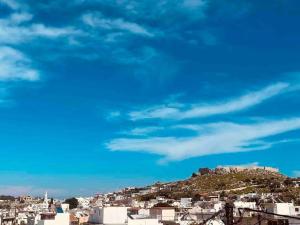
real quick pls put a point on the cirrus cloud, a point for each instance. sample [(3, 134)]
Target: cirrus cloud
[(193, 111), (216, 138), (199, 139), (14, 65), (96, 20)]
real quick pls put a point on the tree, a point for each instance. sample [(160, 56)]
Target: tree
[(288, 182), (223, 194), (162, 204), (196, 198), (73, 202), (7, 198), (194, 175)]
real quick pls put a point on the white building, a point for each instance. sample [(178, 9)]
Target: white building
[(163, 213), (144, 212), (83, 202), (297, 210), (108, 215), (140, 220), (21, 218), (186, 202), (281, 208), (215, 222), (241, 204), (54, 219), (144, 192), (218, 206), (138, 204)]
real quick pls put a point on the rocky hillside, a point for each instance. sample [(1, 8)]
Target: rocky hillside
[(228, 182)]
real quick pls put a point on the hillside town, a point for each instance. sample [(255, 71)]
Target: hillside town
[(151, 205), (149, 112)]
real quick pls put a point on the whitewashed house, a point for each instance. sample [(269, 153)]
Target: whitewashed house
[(186, 202), (54, 219), (141, 220), (281, 208), (241, 204), (108, 215), (163, 213)]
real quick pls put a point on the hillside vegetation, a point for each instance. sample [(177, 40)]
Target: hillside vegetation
[(214, 182)]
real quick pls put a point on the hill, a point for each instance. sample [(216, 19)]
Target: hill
[(6, 198), (228, 182)]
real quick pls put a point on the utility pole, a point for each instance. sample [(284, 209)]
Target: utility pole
[(229, 213), (259, 219)]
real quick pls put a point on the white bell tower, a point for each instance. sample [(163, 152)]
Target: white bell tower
[(46, 203)]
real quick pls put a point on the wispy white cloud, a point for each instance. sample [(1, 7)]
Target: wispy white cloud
[(194, 3), (14, 31), (52, 32), (165, 10), (13, 4), (219, 138), (193, 111), (96, 20), (142, 131), (113, 115), (14, 65), (17, 18), (18, 28)]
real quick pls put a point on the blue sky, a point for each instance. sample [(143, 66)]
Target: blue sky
[(99, 95)]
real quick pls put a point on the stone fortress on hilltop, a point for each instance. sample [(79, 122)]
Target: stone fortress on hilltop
[(235, 169), (242, 168)]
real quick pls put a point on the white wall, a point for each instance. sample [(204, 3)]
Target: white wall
[(60, 219), (185, 202), (241, 204), (143, 222), (218, 206), (96, 216), (285, 208), (114, 215), (168, 214), (65, 207), (109, 215), (215, 222), (144, 212)]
